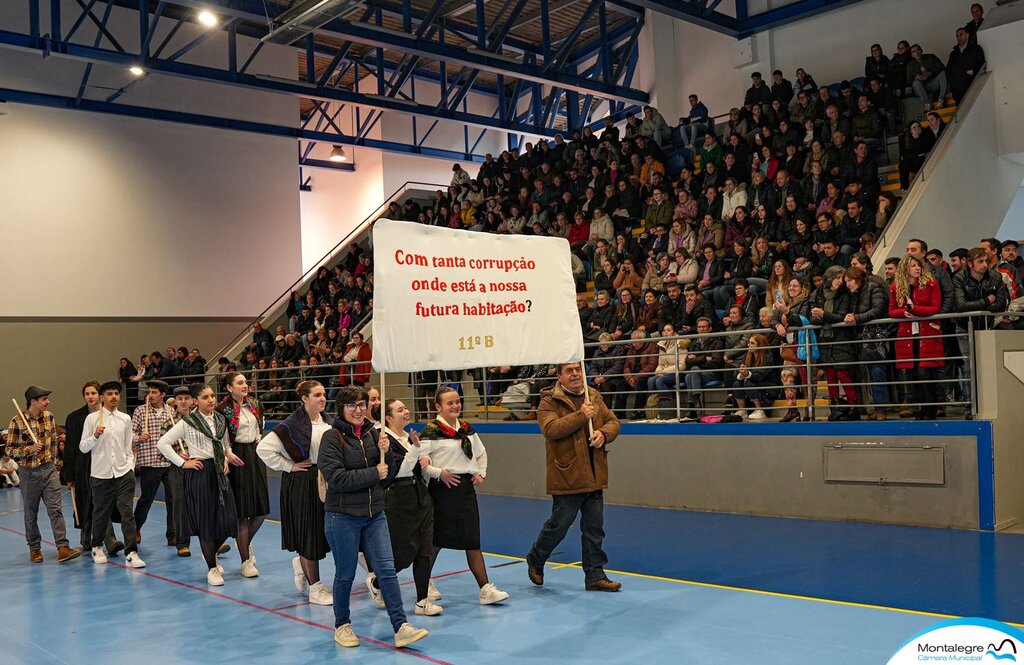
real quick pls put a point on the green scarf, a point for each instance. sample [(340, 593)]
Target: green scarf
[(198, 423)]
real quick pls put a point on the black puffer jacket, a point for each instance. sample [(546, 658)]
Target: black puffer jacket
[(349, 464)]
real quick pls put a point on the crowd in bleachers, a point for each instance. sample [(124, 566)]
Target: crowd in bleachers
[(763, 221)]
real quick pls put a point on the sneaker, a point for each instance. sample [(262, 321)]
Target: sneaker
[(320, 595), (407, 634), (378, 599), (98, 555), (740, 412), (344, 636), (428, 608), (133, 560), (249, 568), (220, 568), (758, 415), (432, 592), (215, 577), (490, 594), (299, 576)]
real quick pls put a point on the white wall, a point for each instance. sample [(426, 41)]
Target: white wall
[(1013, 224), (105, 209)]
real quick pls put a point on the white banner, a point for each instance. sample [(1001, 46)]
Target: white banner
[(450, 299)]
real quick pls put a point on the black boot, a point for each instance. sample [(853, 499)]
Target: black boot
[(792, 414), (836, 410)]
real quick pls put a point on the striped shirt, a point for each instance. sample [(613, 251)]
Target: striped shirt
[(154, 422), (18, 440)]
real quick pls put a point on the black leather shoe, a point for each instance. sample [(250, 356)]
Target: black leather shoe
[(603, 585), (536, 574)]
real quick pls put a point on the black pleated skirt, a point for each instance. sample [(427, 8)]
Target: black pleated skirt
[(249, 482), (456, 515), (410, 514), (302, 515), (211, 514)]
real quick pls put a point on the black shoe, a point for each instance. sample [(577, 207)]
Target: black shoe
[(792, 414), (852, 414), (224, 549), (535, 573)]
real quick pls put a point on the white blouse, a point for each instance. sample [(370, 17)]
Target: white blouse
[(199, 445), (248, 427), (412, 453), (447, 454), (271, 448)]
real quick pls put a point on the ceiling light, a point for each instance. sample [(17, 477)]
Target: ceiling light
[(338, 154), (136, 70), (207, 18)]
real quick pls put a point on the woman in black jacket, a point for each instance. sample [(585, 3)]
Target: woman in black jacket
[(354, 461), (869, 300), (829, 306), (915, 144)]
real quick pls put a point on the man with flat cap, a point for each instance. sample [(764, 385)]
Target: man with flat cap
[(31, 441), (178, 509), (149, 422), (78, 468)]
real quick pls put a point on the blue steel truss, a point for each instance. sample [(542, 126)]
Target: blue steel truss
[(541, 87)]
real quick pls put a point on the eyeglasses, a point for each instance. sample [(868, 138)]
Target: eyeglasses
[(356, 406)]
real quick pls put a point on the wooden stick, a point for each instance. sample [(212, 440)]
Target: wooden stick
[(74, 507), (24, 420), (99, 423), (383, 398), (145, 427), (586, 395)]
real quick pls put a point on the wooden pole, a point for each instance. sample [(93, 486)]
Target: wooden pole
[(24, 421), (586, 395), (74, 507)]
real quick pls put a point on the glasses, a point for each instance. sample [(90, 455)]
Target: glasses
[(356, 406)]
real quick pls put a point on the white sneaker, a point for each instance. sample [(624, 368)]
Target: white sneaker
[(220, 568), (428, 608), (758, 415), (344, 636), (432, 592), (98, 555), (214, 577), (407, 634), (378, 599), (740, 412), (249, 568), (320, 595), (300, 577), (490, 594), (133, 560)]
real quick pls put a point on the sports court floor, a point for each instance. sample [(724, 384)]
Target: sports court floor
[(697, 588)]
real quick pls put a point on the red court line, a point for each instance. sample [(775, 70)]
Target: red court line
[(404, 652), (366, 591)]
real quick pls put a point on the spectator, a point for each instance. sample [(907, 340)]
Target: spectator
[(758, 94), (650, 312), (829, 306), (704, 357), (915, 145), (914, 294), (928, 77), (782, 90), (754, 375), (869, 301), (696, 123), (654, 126), (671, 354), (898, 79), (877, 64), (977, 18), (867, 124), (641, 361), (965, 62), (626, 313), (606, 372), (627, 278), (602, 320)]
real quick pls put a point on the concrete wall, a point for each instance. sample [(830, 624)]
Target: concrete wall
[(999, 391), (764, 470)]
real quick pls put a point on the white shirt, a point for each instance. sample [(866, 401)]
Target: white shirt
[(199, 445), (412, 453), (9, 465), (271, 448), (112, 455), (447, 454), (248, 427)]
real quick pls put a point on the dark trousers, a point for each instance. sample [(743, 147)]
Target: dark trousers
[(83, 502), (564, 507), (42, 483), (106, 494), (179, 510), (150, 478)]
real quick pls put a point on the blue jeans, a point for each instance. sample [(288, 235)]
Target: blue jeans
[(879, 390), (346, 534), (564, 508), (662, 383)]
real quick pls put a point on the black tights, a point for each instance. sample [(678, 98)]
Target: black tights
[(247, 528), (210, 548), (422, 566), (475, 559)]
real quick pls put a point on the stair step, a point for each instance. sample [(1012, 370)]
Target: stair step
[(891, 187), (800, 403)]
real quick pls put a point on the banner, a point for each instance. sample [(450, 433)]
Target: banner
[(451, 299)]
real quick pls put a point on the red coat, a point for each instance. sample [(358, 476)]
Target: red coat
[(360, 371), (927, 302)]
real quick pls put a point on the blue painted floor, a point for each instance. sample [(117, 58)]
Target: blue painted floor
[(77, 612)]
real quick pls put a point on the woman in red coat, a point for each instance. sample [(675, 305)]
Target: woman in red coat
[(915, 294), (357, 352)]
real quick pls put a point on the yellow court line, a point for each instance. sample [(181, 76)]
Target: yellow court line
[(774, 594)]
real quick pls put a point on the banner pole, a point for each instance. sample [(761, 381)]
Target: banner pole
[(586, 395)]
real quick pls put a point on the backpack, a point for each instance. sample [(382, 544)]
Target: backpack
[(801, 342)]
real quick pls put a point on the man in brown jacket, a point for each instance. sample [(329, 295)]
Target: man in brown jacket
[(577, 473)]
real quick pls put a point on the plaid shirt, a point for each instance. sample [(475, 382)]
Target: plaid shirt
[(159, 421), (17, 440)]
